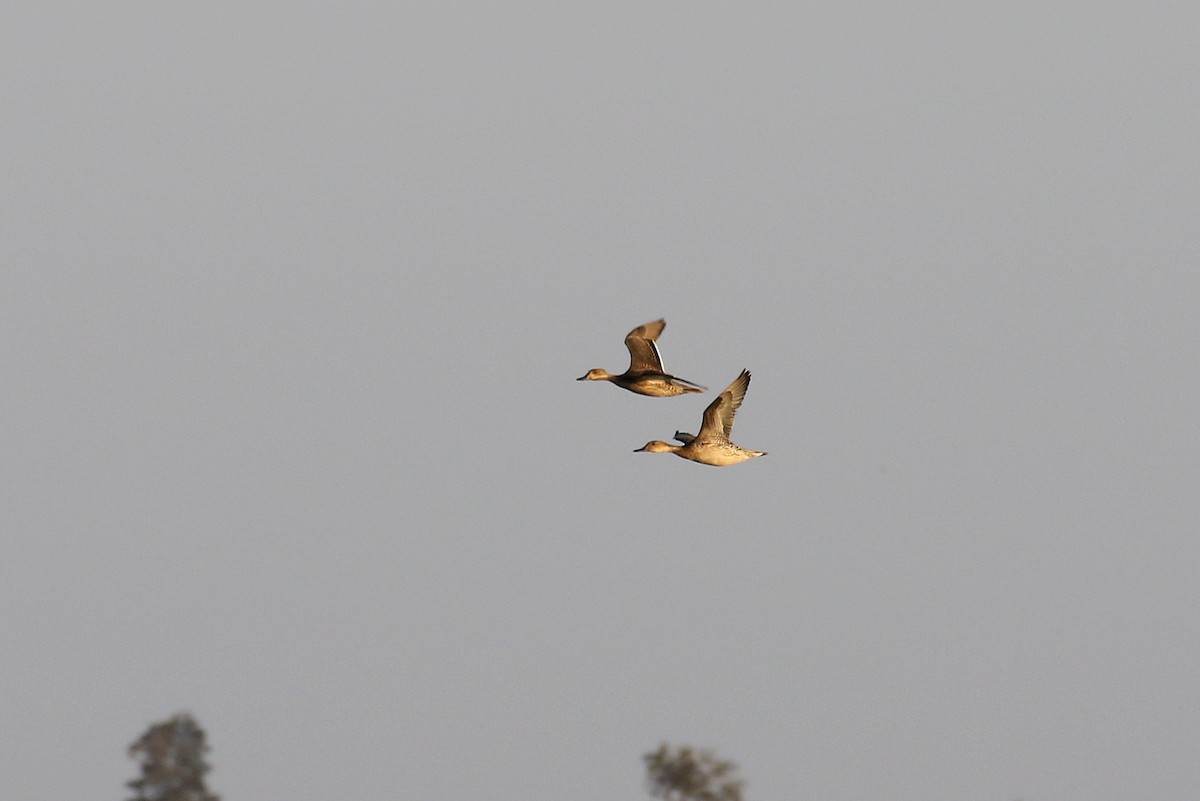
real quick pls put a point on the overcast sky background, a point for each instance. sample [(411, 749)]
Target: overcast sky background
[(293, 303)]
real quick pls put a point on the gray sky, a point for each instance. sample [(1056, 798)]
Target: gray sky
[(293, 301)]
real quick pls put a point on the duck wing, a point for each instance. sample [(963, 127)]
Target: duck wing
[(718, 417), (643, 353)]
